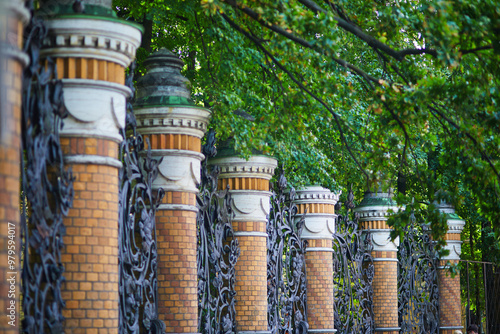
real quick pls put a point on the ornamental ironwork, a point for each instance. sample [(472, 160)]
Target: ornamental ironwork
[(353, 273), (138, 257), (47, 188), (418, 294), (286, 268), (217, 250)]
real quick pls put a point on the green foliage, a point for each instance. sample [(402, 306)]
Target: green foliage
[(350, 92)]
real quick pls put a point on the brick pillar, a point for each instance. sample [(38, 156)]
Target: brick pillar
[(13, 17), (91, 52), (319, 205), (373, 213), (249, 187), (450, 311), (174, 126)]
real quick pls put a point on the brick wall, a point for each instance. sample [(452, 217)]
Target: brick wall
[(11, 32), (319, 286), (385, 290), (177, 267), (251, 278), (450, 312), (248, 182), (318, 205), (90, 257)]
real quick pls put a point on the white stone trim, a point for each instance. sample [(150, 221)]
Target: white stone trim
[(92, 38), (250, 234), (96, 108), (182, 207), (8, 51), (256, 166), (250, 205), (381, 240), (375, 212), (316, 194), (178, 171), (93, 159), (319, 249), (176, 120), (384, 259), (455, 226), (16, 7)]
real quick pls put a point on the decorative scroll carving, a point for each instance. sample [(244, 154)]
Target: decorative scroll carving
[(138, 256), (286, 268), (218, 251), (353, 273), (47, 189), (417, 281)]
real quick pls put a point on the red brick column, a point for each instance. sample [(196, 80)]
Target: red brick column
[(91, 53), (373, 213), (249, 187), (450, 310), (174, 126), (13, 17), (319, 205)]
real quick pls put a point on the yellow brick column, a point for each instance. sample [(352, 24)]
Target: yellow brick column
[(450, 311), (373, 213), (249, 187), (318, 204), (174, 126), (91, 51), (13, 17)]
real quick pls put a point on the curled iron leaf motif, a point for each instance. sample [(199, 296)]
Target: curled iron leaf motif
[(418, 292), (217, 251), (353, 273), (138, 257), (47, 188), (286, 268)]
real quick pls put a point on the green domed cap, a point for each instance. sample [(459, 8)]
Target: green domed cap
[(163, 84)]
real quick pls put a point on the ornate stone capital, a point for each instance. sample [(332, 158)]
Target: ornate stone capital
[(189, 120), (375, 207), (320, 215), (92, 37), (257, 167), (248, 204), (455, 227), (374, 211), (178, 171), (96, 108)]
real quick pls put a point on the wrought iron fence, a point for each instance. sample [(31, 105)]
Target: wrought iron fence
[(217, 251), (353, 273), (138, 257), (47, 188), (418, 294), (286, 269), (480, 282)]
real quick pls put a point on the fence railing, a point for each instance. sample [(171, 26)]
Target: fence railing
[(480, 282)]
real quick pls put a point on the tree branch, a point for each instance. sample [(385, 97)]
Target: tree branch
[(256, 17), (370, 40), (336, 116)]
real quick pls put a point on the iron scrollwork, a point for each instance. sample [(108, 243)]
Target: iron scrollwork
[(47, 188), (353, 273), (286, 269), (138, 255), (217, 250), (417, 281)]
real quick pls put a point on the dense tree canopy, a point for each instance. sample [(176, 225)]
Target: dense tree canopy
[(350, 92)]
